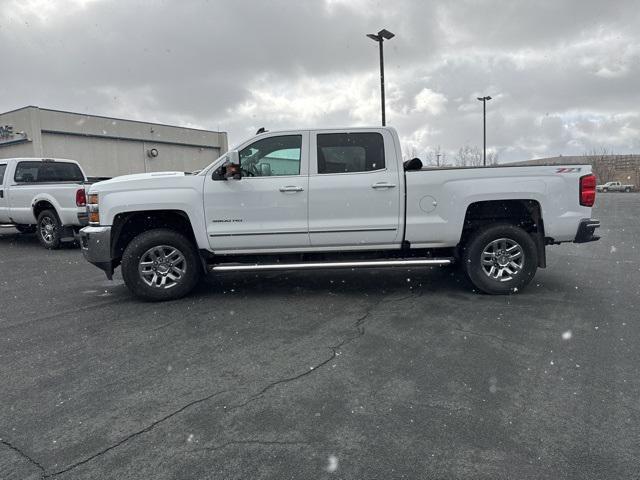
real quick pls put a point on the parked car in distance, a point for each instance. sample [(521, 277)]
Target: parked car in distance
[(44, 196), (309, 199), (615, 187)]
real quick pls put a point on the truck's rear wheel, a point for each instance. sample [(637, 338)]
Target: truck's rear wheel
[(500, 259), (49, 230), (627, 190), (160, 265)]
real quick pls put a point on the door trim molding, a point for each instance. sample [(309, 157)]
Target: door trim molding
[(240, 234), (343, 230)]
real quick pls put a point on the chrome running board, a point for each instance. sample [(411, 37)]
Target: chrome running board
[(418, 262)]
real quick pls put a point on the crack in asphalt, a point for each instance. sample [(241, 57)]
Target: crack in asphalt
[(358, 325), (50, 316), (486, 335), (246, 442), (24, 455), (489, 335), (135, 434), (165, 325)]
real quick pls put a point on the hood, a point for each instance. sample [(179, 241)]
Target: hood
[(136, 177)]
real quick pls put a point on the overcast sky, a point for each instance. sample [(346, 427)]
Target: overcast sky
[(564, 75)]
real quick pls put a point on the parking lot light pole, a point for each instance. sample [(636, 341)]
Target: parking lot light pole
[(380, 38), (484, 128)]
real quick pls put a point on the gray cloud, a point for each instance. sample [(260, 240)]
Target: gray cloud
[(563, 74)]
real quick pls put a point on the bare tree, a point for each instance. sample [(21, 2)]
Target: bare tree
[(468, 156), (602, 165), (492, 158), (410, 153), (436, 157), (462, 156)]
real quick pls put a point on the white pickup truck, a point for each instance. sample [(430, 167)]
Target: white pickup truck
[(614, 187), (43, 195), (309, 199)]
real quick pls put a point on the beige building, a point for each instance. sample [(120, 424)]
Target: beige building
[(107, 147)]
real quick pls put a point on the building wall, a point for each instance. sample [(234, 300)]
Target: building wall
[(108, 147), (107, 157), (15, 146)]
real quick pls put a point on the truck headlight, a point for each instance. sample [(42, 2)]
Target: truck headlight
[(93, 209)]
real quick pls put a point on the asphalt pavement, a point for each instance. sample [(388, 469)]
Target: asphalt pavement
[(374, 374)]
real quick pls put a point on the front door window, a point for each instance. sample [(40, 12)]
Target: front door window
[(271, 157)]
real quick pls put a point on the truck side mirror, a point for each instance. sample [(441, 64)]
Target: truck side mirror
[(233, 171), (233, 167), (233, 157), (230, 169)]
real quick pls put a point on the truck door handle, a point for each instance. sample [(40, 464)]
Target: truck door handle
[(291, 188), (1, 193), (383, 185)]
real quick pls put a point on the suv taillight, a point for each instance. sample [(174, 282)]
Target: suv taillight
[(588, 190), (81, 198)]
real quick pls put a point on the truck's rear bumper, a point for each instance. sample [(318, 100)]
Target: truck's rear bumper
[(96, 247), (83, 218), (586, 231)]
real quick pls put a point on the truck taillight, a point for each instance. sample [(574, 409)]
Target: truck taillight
[(81, 198), (588, 190)]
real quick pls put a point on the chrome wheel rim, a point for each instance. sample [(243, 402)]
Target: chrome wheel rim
[(162, 267), (47, 229), (502, 259)]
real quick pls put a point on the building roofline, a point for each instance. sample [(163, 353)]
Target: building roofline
[(18, 109), (113, 118)]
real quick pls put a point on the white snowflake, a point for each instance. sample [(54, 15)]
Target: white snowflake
[(332, 464)]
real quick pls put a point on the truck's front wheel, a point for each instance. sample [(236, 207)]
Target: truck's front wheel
[(160, 265), (500, 259)]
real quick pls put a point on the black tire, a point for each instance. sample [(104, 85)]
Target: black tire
[(26, 229), (627, 190), (605, 190), (49, 229), (487, 239), (161, 240)]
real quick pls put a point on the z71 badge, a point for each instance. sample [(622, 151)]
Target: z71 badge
[(568, 169)]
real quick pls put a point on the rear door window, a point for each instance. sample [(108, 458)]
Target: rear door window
[(350, 152), (47, 172)]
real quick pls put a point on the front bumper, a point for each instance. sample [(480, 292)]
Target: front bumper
[(96, 248), (586, 231)]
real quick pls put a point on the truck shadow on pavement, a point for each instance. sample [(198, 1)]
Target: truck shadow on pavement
[(9, 236), (373, 282)]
